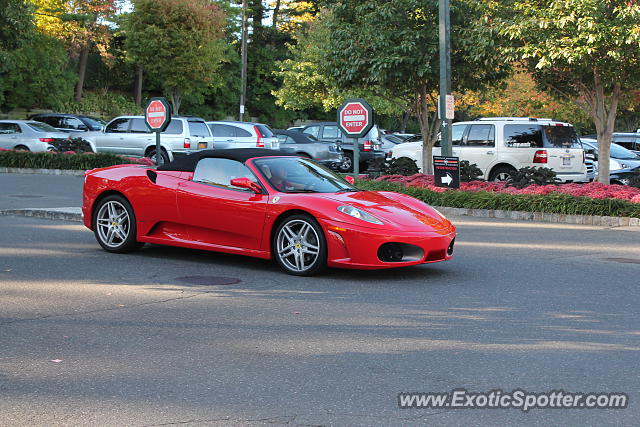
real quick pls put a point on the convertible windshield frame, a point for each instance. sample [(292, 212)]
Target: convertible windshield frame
[(300, 175)]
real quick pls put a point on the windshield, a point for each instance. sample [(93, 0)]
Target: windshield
[(297, 175), (617, 151), (42, 127), (94, 124)]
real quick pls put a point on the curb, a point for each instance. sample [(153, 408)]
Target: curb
[(61, 214), (43, 171), (604, 221)]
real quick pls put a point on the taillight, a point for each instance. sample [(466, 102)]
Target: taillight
[(46, 139), (259, 142), (187, 143), (367, 146), (540, 156)]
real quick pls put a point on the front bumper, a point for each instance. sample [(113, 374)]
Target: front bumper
[(356, 247)]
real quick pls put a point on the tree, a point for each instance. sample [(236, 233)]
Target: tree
[(178, 42), (81, 24), (32, 65), (584, 50), (391, 46)]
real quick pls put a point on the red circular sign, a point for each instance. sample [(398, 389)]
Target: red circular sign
[(354, 117), (156, 114)]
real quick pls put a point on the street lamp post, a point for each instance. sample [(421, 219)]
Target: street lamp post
[(445, 76), (243, 71)]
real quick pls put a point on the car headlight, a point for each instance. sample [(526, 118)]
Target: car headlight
[(360, 214), (623, 165)]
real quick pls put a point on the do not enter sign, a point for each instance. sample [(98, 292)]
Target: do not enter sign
[(157, 114), (355, 117)]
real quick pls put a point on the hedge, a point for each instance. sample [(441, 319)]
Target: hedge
[(550, 203), (47, 160)]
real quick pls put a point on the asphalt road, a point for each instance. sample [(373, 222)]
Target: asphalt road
[(19, 191), (92, 338)]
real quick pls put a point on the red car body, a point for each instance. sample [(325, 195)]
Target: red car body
[(171, 209)]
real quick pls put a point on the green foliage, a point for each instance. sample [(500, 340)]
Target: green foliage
[(77, 145), (16, 24), (551, 203), (179, 43), (469, 172), (25, 159), (103, 103), (35, 74), (402, 166), (524, 177)]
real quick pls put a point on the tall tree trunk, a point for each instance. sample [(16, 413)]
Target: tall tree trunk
[(429, 125), (604, 117), (82, 69), (404, 121), (276, 13), (137, 92), (176, 99)]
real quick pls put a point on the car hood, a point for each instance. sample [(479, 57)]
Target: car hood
[(396, 210)]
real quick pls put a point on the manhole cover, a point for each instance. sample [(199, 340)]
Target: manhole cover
[(25, 196), (624, 260), (208, 280)]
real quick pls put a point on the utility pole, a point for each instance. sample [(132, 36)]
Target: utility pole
[(445, 77), (243, 72)]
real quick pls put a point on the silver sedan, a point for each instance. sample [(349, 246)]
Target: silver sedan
[(28, 135)]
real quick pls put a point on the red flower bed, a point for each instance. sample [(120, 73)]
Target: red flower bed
[(594, 190)]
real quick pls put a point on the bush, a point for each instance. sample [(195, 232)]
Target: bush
[(551, 203), (531, 175), (402, 166), (634, 181), (77, 145), (106, 104), (469, 172), (28, 160)]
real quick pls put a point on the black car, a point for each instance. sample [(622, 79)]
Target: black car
[(369, 145), (623, 176), (305, 145), (70, 123)]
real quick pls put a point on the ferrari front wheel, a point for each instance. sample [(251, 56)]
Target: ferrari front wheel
[(299, 246), (114, 224)]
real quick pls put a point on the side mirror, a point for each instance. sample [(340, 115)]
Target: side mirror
[(246, 183), (350, 179)]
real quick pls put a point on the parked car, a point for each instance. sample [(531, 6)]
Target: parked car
[(263, 204), (296, 128), (304, 145), (70, 123), (389, 141), (619, 157), (628, 140), (369, 145), (130, 136), (229, 134), (29, 135), (501, 145)]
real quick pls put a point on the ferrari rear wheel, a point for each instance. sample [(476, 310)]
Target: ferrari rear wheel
[(299, 246), (114, 225)]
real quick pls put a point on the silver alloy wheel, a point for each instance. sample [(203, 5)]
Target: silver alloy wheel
[(346, 164), (113, 224), (298, 245)]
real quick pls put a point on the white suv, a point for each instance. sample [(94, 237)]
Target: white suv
[(501, 145), (230, 134), (130, 136)]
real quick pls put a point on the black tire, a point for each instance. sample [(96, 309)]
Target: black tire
[(21, 148), (114, 225), (347, 163), (299, 246), (152, 155), (502, 173)]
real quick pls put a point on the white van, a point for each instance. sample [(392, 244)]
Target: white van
[(501, 145)]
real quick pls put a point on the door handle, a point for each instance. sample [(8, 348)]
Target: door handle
[(229, 140), (490, 153)]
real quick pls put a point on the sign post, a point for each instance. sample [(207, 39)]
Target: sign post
[(355, 119), (446, 171), (157, 116)]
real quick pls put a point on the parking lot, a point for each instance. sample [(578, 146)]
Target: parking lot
[(176, 336)]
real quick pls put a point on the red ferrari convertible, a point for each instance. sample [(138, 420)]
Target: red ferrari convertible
[(264, 204)]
